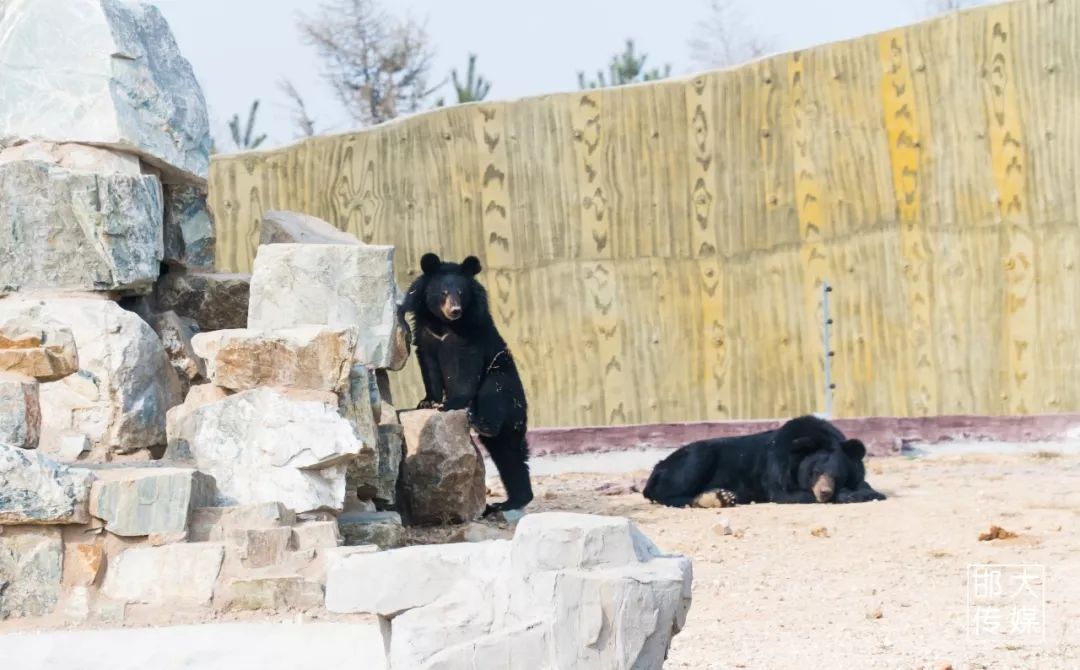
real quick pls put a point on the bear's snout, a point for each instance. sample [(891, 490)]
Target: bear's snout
[(824, 488)]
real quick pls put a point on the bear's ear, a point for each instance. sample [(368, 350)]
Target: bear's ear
[(804, 445), (430, 264), (471, 266), (854, 449)]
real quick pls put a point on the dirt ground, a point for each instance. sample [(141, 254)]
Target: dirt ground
[(885, 584)]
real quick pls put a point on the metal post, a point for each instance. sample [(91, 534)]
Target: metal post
[(826, 327)]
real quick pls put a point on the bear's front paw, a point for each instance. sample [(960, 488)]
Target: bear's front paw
[(859, 496), (454, 404), (429, 404)]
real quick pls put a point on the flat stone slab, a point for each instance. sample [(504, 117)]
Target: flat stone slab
[(181, 575), (305, 357), (220, 646), (140, 502)]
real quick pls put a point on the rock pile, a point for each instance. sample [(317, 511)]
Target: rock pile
[(176, 442)]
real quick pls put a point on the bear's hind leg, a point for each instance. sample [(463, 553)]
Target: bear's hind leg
[(715, 498), (510, 455)]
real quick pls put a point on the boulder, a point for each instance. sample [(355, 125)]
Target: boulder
[(176, 575), (270, 445), (442, 475), (46, 353), (273, 593), (142, 501), (78, 230), (356, 404), (597, 594), (20, 411), (374, 475), (306, 357), (118, 398), (31, 571), (329, 284), (382, 529), (37, 490), (280, 227), (189, 228), (110, 75), (260, 547), (175, 333)]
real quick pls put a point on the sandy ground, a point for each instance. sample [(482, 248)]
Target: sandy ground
[(885, 584)]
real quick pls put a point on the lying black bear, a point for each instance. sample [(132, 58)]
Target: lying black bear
[(465, 364), (804, 461)]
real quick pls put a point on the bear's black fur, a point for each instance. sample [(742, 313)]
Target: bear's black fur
[(465, 364), (804, 461)]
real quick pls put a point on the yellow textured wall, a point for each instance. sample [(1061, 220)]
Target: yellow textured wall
[(655, 253)]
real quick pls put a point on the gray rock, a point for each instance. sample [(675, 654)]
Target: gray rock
[(329, 284), (118, 398), (20, 411), (175, 333), (189, 227), (35, 489), (109, 74), (141, 501), (215, 301), (280, 227), (382, 529), (442, 477), (76, 230), (31, 570), (375, 478)]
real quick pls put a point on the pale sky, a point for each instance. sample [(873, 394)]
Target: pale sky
[(240, 49)]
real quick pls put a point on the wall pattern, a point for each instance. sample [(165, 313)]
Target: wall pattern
[(655, 253)]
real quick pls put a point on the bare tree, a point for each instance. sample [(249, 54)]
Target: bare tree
[(722, 38), (377, 64), (300, 117), (244, 136), (934, 7)]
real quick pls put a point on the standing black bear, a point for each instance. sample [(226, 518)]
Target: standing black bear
[(806, 460), (465, 364)]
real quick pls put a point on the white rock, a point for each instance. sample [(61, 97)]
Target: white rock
[(217, 646), (118, 398), (175, 333), (610, 600), (101, 72), (328, 284), (77, 230), (409, 577), (270, 445), (142, 501), (315, 535), (37, 490), (31, 570), (216, 523), (74, 157), (20, 411), (68, 447), (306, 357), (175, 574), (282, 227)]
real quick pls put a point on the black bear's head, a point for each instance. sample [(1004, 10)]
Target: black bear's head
[(451, 288), (826, 465)]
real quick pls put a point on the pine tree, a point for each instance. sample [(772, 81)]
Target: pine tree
[(243, 140), (625, 68)]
